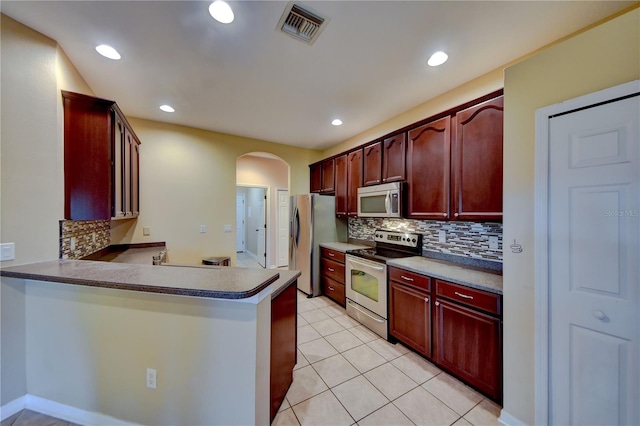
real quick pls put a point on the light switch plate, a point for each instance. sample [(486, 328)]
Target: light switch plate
[(227, 228), (493, 242), (203, 229), (146, 231), (7, 251), (442, 236)]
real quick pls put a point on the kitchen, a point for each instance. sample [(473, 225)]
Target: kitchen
[(35, 226)]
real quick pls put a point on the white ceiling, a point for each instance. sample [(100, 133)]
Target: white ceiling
[(247, 79)]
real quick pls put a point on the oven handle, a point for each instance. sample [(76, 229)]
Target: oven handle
[(363, 312), (377, 268)]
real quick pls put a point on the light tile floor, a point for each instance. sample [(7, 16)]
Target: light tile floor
[(347, 375), (243, 260)]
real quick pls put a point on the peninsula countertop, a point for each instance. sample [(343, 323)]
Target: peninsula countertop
[(212, 282)]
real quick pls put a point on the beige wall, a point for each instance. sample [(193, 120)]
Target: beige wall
[(188, 179), (604, 56), (89, 348), (274, 174)]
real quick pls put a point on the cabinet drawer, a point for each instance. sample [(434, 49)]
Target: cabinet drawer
[(410, 278), (332, 254), (332, 269), (333, 289), (489, 302)]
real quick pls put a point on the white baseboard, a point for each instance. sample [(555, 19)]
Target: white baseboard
[(61, 411), (10, 408), (508, 420)]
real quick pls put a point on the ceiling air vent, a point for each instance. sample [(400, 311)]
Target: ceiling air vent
[(301, 24)]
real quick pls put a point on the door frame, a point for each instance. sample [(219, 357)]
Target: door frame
[(541, 231), (244, 230), (267, 221), (277, 221)]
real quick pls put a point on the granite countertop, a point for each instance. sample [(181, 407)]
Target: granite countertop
[(342, 247), (483, 279), (141, 256), (286, 279), (220, 282)]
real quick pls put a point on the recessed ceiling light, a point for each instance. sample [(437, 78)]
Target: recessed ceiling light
[(167, 108), (337, 122), (437, 58), (108, 52), (221, 12)]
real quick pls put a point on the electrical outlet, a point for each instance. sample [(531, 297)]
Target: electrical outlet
[(152, 376), (203, 229), (146, 231), (493, 242), (72, 243), (93, 237), (227, 228), (442, 236), (8, 251)]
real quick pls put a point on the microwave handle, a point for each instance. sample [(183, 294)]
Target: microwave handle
[(387, 202)]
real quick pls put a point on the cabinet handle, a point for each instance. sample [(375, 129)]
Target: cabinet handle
[(600, 315), (464, 296), (331, 269), (444, 215), (456, 214), (437, 303), (331, 288), (426, 299), (406, 278), (331, 254)]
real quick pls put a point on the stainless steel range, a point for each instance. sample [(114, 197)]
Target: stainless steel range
[(366, 276)]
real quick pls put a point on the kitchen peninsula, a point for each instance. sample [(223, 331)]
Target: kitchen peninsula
[(93, 329)]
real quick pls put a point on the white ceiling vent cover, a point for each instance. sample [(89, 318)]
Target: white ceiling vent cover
[(301, 24)]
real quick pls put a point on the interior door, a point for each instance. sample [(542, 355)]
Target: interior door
[(594, 268), (282, 241)]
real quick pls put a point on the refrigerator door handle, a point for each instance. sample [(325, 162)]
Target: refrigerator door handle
[(296, 227)]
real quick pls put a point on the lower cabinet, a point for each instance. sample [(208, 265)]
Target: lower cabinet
[(283, 345), (456, 327), (332, 275)]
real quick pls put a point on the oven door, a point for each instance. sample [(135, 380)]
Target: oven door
[(367, 284)]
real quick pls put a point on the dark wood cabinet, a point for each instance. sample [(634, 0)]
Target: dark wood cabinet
[(393, 158), (341, 185), (428, 170), (468, 336), (372, 164), (410, 309), (354, 181), (477, 162), (322, 177), (332, 274), (284, 311), (101, 160)]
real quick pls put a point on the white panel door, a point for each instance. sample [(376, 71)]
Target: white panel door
[(239, 223), (262, 228), (283, 228), (594, 265)]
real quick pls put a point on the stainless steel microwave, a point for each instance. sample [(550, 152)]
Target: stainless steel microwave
[(380, 200)]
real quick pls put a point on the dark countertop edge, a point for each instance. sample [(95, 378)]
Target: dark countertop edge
[(437, 276), (284, 286), (211, 294)]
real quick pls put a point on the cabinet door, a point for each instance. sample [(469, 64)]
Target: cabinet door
[(477, 162), (393, 158), (118, 166), (135, 179), (428, 168), (328, 177), (372, 167), (126, 186), (315, 177), (410, 317), (341, 186), (354, 179), (468, 344)]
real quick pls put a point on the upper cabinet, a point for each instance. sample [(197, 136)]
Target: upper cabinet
[(342, 191), (393, 158), (428, 170), (322, 177), (477, 162), (354, 181), (101, 160), (372, 164)]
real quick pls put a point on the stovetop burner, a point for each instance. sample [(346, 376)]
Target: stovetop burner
[(391, 245)]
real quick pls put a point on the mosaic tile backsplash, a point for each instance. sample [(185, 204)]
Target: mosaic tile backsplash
[(467, 239), (79, 238)]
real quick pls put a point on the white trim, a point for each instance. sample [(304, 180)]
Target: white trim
[(508, 420), (12, 407), (60, 411), (541, 232), (278, 189)]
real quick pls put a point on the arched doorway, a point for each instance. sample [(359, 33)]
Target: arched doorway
[(262, 175)]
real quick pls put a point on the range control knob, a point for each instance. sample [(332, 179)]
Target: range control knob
[(414, 240)]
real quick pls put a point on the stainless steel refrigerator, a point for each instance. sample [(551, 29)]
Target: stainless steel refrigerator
[(312, 221)]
